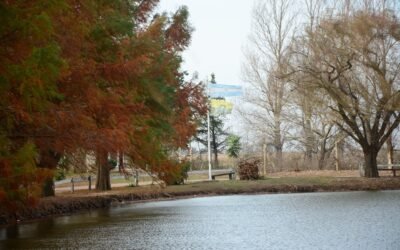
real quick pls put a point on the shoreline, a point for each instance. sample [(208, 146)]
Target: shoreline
[(69, 204)]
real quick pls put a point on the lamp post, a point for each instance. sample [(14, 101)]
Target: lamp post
[(208, 134), (209, 143)]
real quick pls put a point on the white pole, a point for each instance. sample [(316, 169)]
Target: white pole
[(209, 145), (208, 134), (265, 159)]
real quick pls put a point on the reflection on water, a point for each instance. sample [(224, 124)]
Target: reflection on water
[(357, 220)]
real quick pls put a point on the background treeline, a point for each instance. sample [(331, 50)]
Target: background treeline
[(323, 75)]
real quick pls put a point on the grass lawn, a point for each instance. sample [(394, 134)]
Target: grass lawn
[(267, 185)]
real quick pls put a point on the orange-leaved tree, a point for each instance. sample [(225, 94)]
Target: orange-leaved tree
[(98, 76), (30, 64)]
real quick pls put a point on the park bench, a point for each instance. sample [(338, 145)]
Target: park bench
[(230, 173), (81, 179), (389, 167)]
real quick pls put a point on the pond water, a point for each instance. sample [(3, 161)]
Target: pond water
[(348, 220)]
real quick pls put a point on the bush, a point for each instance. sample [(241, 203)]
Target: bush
[(173, 173), (183, 173), (248, 169)]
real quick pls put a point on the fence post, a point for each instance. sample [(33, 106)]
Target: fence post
[(137, 178), (90, 182), (72, 186)]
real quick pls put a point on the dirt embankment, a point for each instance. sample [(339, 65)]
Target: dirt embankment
[(79, 202), (62, 205)]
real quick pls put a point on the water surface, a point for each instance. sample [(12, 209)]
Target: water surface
[(349, 220)]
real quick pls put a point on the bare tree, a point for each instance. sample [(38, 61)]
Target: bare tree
[(313, 124), (354, 58), (273, 28), (309, 113)]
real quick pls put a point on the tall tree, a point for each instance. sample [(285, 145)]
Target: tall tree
[(125, 107), (354, 59), (92, 76), (273, 29), (30, 64)]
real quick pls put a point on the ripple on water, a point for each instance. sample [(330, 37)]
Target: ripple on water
[(348, 220)]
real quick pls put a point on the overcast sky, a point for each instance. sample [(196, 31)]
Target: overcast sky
[(221, 30)]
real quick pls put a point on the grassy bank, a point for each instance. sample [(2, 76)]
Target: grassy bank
[(69, 203)]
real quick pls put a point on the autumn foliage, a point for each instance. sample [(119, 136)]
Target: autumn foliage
[(98, 76)]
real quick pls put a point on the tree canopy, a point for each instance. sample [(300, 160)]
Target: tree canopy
[(100, 76), (353, 58)]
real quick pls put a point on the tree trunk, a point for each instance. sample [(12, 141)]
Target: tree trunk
[(339, 150), (278, 142), (121, 167), (215, 158), (48, 159), (103, 171), (309, 139), (214, 147), (389, 151), (325, 152), (321, 159), (371, 167), (264, 159), (278, 159), (337, 157), (48, 188)]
